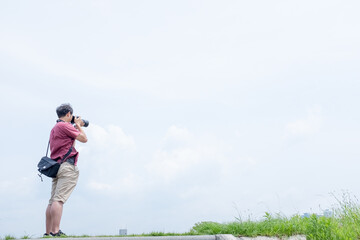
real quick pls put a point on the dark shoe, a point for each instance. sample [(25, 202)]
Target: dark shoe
[(46, 235), (58, 234)]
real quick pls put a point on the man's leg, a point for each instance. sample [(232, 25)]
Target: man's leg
[(56, 214), (48, 220), (63, 186)]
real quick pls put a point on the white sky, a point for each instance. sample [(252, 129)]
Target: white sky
[(199, 110)]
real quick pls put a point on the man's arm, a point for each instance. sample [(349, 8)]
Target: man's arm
[(82, 136)]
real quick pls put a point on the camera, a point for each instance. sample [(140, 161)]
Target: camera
[(86, 122)]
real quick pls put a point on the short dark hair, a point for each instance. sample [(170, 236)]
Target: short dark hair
[(63, 109)]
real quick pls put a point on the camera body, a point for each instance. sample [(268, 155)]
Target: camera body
[(86, 122)]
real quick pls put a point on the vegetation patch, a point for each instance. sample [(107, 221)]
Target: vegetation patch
[(9, 237), (342, 224)]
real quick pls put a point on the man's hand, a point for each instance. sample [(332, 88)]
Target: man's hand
[(82, 136), (79, 121)]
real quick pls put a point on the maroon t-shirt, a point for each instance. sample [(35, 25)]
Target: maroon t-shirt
[(62, 137)]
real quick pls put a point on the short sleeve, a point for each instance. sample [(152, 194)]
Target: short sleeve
[(70, 130)]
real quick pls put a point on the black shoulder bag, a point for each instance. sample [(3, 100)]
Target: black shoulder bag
[(50, 167)]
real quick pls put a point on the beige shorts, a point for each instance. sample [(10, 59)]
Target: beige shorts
[(64, 183)]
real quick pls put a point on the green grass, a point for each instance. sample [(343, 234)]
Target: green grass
[(9, 237), (26, 237), (344, 224)]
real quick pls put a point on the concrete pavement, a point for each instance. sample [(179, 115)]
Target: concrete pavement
[(191, 237)]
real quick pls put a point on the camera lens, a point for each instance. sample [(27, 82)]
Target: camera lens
[(86, 123)]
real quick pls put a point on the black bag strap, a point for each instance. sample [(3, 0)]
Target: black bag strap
[(66, 155), (47, 150)]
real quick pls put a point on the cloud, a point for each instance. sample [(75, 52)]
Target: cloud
[(115, 165), (183, 153), (127, 184), (19, 187), (110, 138), (104, 158), (306, 126), (178, 134)]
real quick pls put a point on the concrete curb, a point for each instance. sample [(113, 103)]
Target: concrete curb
[(231, 237), (191, 237)]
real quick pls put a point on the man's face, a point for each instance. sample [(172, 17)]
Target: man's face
[(68, 117)]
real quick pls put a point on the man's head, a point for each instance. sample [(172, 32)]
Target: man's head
[(65, 111)]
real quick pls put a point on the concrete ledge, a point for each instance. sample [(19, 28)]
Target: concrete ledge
[(191, 237), (231, 237)]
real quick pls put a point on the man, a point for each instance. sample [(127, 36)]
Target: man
[(62, 138)]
